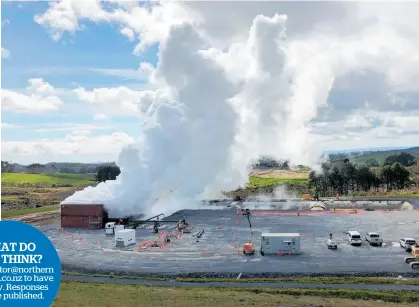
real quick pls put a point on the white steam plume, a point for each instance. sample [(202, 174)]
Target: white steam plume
[(218, 110)]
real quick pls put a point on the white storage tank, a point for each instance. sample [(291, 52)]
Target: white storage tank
[(124, 237), (110, 228), (280, 243)]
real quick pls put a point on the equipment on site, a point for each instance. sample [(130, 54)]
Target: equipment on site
[(183, 226), (373, 238), (119, 227), (199, 233), (414, 260), (407, 244), (247, 213), (354, 238), (124, 237), (248, 248), (280, 243), (110, 228), (331, 244)]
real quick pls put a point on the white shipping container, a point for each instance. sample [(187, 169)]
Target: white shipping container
[(124, 237), (285, 243)]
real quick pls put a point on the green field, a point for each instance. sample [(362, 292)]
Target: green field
[(263, 182), (99, 295), (50, 179)]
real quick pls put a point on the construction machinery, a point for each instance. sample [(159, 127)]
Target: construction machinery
[(414, 259), (248, 248), (133, 223), (183, 226)]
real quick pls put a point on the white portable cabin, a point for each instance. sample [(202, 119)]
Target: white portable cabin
[(277, 243), (110, 228), (124, 237)]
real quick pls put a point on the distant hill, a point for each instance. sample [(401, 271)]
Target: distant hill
[(53, 167), (380, 156)]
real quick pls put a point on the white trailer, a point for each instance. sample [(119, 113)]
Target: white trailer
[(124, 237), (110, 228), (280, 243)]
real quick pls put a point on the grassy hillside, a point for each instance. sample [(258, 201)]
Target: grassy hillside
[(380, 156), (263, 182), (50, 179)]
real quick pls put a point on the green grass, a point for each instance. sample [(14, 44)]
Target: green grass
[(263, 182), (106, 295), (322, 280), (57, 179), (9, 197), (20, 212)]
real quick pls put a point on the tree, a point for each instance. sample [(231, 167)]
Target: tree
[(371, 162), (403, 158), (400, 175), (35, 168), (6, 167), (107, 172), (344, 177)]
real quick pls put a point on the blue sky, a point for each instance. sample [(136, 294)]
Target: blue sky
[(93, 58)]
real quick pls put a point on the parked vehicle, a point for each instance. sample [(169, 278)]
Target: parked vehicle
[(407, 244), (331, 244), (354, 238), (414, 259), (374, 238)]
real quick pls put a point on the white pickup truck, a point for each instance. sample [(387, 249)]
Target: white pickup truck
[(373, 238), (407, 244)]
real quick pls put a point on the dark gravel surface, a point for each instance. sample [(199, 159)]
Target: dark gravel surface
[(238, 284), (215, 256)]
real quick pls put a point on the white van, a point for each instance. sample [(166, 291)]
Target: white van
[(354, 238)]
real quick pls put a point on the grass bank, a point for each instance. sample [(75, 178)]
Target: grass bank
[(48, 179), (264, 182), (99, 295), (324, 280), (19, 212)]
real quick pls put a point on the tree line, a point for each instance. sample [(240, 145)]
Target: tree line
[(107, 172), (346, 177)]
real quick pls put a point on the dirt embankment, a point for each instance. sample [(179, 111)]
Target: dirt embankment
[(13, 197)]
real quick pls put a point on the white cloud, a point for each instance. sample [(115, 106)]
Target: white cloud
[(4, 53), (128, 33), (76, 146), (120, 100), (40, 97), (151, 23)]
